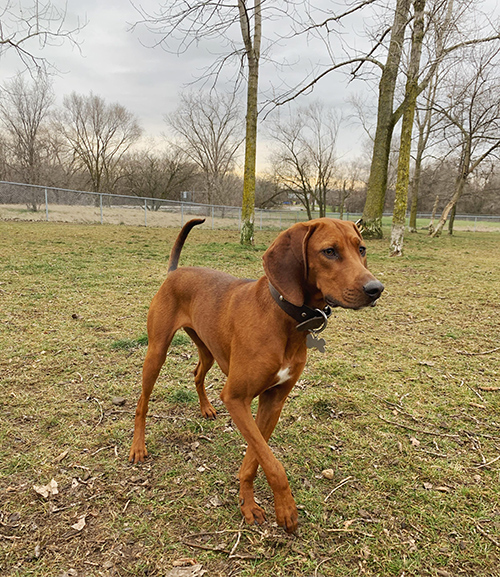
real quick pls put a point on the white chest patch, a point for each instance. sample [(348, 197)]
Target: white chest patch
[(283, 375)]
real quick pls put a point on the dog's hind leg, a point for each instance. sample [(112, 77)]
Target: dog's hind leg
[(205, 362)]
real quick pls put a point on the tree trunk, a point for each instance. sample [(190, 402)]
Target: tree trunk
[(252, 49), (377, 182), (342, 201), (452, 202), (433, 216), (424, 131), (248, 201), (465, 169), (415, 187), (403, 175), (451, 222), (412, 227)]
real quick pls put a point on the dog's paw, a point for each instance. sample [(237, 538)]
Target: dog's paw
[(208, 411), (286, 514), (137, 454), (253, 513)]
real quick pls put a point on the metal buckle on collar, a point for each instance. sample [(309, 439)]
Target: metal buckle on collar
[(316, 324)]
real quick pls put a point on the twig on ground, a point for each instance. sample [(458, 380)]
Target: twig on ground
[(488, 536), (205, 547), (473, 390), (433, 453), (421, 431), (101, 449), (341, 484), (479, 353), (488, 463), (357, 531), (319, 565), (219, 550), (235, 546), (101, 417)]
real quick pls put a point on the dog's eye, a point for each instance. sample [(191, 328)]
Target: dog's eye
[(330, 252), (362, 250)]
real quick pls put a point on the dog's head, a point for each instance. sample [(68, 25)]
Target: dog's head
[(322, 261)]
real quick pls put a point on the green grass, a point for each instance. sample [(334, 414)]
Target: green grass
[(403, 408), (130, 343)]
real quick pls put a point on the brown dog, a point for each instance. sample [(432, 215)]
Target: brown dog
[(257, 333)]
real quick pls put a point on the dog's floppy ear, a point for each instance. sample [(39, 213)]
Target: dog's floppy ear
[(285, 262)]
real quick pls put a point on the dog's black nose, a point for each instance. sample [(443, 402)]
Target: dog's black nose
[(373, 289)]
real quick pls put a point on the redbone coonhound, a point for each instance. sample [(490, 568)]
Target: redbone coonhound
[(257, 331)]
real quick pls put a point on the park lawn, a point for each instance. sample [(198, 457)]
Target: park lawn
[(404, 409)]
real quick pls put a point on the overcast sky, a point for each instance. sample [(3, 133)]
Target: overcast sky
[(118, 64)]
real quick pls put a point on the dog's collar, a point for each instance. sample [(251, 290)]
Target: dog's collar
[(309, 319)]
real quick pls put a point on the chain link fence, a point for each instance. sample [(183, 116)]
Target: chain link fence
[(42, 203), (35, 203)]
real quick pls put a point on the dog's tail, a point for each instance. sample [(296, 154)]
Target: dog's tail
[(179, 243)]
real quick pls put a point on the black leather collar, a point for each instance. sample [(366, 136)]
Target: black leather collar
[(309, 319)]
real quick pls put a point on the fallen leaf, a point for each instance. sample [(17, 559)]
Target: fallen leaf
[(80, 524), (443, 489), (46, 490), (427, 486), (215, 501), (414, 442)]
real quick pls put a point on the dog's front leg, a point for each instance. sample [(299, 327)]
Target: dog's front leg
[(271, 403), (259, 452)]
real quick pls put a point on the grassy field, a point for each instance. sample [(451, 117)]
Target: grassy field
[(404, 408)]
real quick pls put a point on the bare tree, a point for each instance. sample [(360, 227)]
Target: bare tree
[(453, 23), (251, 32), (386, 121), (24, 113), (99, 135), (183, 23), (425, 127), (411, 94), (305, 157), (471, 109), (349, 177), (161, 175), (27, 27), (209, 127), (268, 191)]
